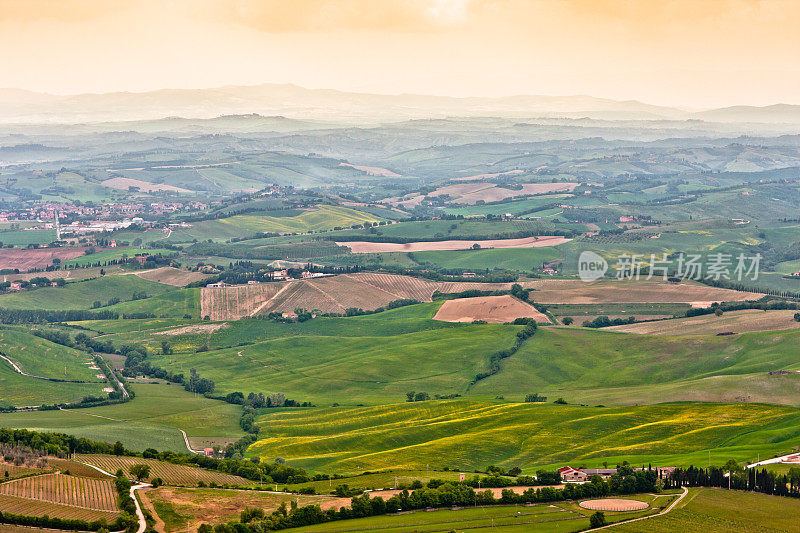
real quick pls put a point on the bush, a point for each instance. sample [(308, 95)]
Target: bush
[(598, 519)]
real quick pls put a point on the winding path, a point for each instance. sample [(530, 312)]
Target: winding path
[(186, 440), (140, 515)]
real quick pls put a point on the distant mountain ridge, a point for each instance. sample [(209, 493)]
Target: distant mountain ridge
[(297, 103)]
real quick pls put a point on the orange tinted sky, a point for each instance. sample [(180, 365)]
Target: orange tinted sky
[(702, 53)]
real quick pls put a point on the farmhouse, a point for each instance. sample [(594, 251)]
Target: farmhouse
[(575, 475), (571, 474)]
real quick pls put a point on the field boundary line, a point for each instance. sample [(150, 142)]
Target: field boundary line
[(268, 300), (665, 511)]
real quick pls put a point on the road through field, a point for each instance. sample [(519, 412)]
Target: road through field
[(142, 522), (665, 511)]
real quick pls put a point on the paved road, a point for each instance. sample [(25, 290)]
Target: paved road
[(774, 460)]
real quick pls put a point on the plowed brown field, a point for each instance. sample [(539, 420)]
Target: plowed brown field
[(494, 309)]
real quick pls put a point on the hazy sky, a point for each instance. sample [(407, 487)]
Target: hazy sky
[(702, 53)]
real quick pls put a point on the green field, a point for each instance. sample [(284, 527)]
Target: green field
[(111, 255), (468, 435), (83, 294), (710, 510), (507, 519), (515, 207), (152, 419), (521, 259), (17, 390), (22, 238), (603, 367), (372, 367), (401, 350), (325, 217), (176, 304), (40, 357)]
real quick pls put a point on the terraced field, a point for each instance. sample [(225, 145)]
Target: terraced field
[(334, 294), (172, 474), (465, 435), (172, 276), (28, 507), (10, 471), (93, 494)]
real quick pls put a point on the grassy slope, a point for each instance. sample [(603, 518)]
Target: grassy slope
[(359, 359), (594, 366), (111, 255), (248, 331), (152, 419), (21, 391), (41, 357), (325, 218), (466, 435), (82, 294), (524, 259), (354, 369), (707, 510), (174, 304)]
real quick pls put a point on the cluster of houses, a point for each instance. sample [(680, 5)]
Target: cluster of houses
[(582, 475), (277, 275)]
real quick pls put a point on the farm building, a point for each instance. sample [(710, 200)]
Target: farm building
[(571, 474), (580, 475)]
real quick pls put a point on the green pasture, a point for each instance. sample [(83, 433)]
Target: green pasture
[(40, 357), (711, 510), (22, 238), (112, 254), (177, 303), (325, 217), (468, 435), (604, 367), (520, 259), (82, 294), (507, 519), (151, 419)]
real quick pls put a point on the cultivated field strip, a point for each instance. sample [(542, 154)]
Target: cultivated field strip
[(28, 507), (332, 294), (171, 474), (9, 471), (94, 494)]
